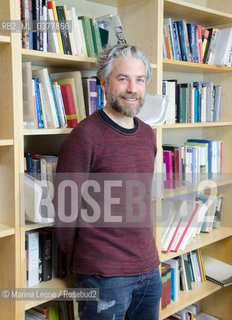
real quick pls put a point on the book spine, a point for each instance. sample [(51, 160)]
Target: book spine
[(63, 31), (38, 106)]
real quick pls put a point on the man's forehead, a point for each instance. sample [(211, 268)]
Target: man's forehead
[(128, 64)]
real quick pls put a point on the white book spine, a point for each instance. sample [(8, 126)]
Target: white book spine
[(33, 258)]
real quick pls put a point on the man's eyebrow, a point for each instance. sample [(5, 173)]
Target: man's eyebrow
[(127, 76)]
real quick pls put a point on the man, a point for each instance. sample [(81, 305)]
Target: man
[(120, 35), (120, 259)]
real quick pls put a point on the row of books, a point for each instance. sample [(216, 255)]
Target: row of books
[(58, 99), (56, 28), (191, 313), (66, 310), (189, 42), (192, 102), (182, 272), (44, 258), (192, 161), (179, 274), (186, 216)]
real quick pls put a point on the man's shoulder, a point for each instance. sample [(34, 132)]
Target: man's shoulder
[(145, 127), (91, 125)]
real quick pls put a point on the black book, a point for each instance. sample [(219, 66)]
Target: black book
[(63, 30), (36, 20), (45, 241)]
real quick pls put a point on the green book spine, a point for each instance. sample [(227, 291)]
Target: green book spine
[(88, 35)]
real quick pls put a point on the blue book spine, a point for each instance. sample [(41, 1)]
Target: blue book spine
[(195, 104), (198, 86), (183, 42), (173, 295), (177, 41), (38, 107), (192, 39), (99, 97), (54, 98)]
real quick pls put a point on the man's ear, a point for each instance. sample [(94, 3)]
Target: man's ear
[(103, 85)]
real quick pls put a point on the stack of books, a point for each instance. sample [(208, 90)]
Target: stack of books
[(189, 42)]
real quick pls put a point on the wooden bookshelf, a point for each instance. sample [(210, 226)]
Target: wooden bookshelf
[(6, 142), (199, 14), (4, 39), (143, 25), (34, 226), (37, 132), (56, 283), (201, 240), (50, 59), (194, 125), (184, 66), (199, 291), (6, 231)]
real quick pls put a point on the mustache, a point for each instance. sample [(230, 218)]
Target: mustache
[(131, 96)]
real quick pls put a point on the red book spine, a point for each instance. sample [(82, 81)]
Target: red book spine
[(199, 30), (69, 105)]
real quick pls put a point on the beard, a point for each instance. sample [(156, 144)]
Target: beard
[(127, 109)]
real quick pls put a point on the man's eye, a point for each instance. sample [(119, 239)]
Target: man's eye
[(122, 79), (141, 80)]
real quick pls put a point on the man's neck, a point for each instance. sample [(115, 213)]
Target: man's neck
[(120, 119)]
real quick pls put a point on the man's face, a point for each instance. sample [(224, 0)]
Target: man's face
[(119, 34), (125, 89)]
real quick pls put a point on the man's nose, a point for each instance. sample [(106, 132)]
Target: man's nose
[(131, 86)]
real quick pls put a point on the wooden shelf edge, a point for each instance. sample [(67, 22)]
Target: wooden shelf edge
[(42, 58), (215, 182), (6, 231), (172, 64), (35, 132), (5, 39), (33, 226), (201, 240), (193, 125), (199, 8), (115, 3), (61, 284), (6, 142), (200, 290)]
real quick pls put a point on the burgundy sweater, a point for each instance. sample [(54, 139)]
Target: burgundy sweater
[(99, 147)]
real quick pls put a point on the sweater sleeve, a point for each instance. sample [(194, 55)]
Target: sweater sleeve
[(73, 168)]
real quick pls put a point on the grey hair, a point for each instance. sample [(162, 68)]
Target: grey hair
[(106, 58)]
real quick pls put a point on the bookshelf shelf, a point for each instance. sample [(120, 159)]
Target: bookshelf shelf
[(33, 226), (199, 14), (56, 283), (115, 3), (38, 132), (6, 231), (183, 66), (194, 125), (216, 181), (6, 142), (50, 59), (201, 240), (5, 39), (200, 290)]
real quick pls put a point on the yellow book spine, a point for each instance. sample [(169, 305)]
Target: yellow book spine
[(58, 31)]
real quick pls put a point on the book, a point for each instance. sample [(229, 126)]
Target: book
[(114, 26), (217, 271), (90, 94), (69, 105), (76, 75), (32, 239), (64, 33), (45, 243)]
